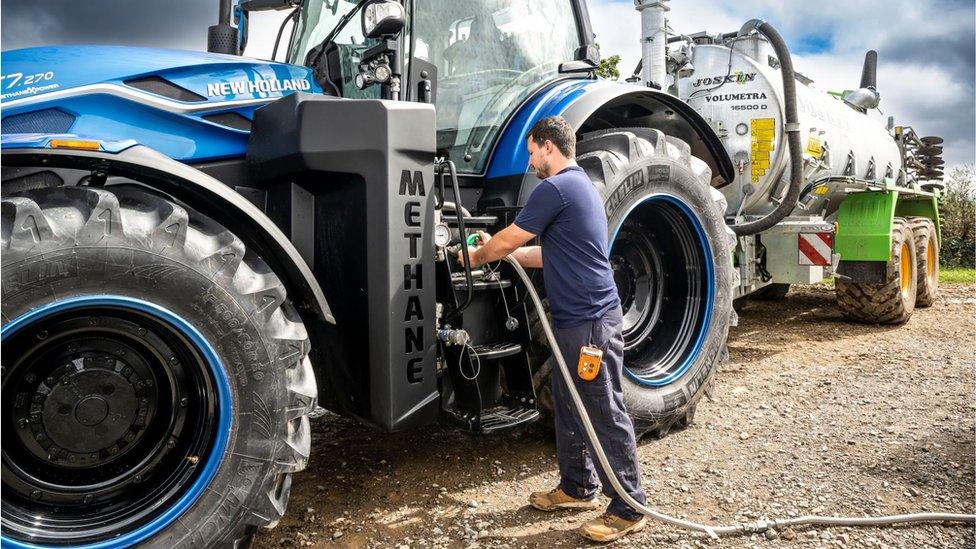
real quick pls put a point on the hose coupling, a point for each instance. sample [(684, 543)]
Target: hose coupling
[(453, 337)]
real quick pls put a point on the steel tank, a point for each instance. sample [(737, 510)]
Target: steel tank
[(739, 90)]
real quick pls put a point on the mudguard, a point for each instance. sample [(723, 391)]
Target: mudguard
[(601, 104), (198, 191)]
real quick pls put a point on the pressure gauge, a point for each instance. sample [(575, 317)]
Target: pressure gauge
[(442, 235)]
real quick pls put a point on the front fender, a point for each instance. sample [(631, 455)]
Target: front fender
[(602, 104), (198, 191)]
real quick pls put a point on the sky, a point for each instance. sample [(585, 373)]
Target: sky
[(926, 49)]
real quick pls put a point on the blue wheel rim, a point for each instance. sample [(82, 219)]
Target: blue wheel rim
[(224, 408), (701, 240)]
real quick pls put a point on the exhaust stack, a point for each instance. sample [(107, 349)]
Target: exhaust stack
[(654, 38)]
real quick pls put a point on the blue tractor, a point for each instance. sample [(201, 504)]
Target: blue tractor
[(199, 248)]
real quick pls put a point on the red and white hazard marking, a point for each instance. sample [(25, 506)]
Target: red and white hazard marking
[(816, 248)]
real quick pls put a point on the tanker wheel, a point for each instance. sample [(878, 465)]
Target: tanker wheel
[(156, 383), (927, 250), (671, 257), (892, 301), (773, 292)]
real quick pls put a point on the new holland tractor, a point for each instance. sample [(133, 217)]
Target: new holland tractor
[(198, 248)]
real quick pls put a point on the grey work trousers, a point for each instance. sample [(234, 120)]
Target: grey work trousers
[(604, 402)]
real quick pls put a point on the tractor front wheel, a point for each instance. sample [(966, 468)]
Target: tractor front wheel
[(156, 386)]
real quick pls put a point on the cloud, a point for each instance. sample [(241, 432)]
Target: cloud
[(927, 51), (167, 23), (927, 64)]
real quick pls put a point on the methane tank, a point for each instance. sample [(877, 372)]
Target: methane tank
[(736, 84)]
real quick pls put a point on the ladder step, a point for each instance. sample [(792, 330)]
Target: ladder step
[(462, 285), (496, 350), (502, 418)]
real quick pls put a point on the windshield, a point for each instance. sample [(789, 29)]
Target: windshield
[(491, 55)]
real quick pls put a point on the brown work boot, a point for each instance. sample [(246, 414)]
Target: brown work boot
[(610, 527), (557, 499)]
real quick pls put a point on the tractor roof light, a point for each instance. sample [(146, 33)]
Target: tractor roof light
[(383, 18)]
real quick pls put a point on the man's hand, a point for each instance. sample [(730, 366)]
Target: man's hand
[(471, 252), (505, 242)]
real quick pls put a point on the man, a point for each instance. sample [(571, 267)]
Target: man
[(566, 212)]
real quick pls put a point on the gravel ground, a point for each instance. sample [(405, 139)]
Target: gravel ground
[(811, 415)]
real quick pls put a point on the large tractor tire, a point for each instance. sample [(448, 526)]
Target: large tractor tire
[(892, 301), (671, 254), (156, 383), (927, 266)]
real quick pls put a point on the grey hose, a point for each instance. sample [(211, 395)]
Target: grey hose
[(792, 129), (712, 531)]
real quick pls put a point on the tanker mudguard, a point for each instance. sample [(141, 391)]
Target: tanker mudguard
[(202, 193), (367, 194)]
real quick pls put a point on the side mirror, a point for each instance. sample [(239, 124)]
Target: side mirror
[(383, 18)]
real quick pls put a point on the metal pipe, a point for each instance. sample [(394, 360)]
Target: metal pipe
[(226, 8), (654, 38), (869, 74)]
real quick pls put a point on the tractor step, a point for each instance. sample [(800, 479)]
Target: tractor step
[(496, 350), (502, 418), (461, 285), (493, 420)]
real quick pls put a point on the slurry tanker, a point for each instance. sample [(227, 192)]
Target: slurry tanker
[(822, 186)]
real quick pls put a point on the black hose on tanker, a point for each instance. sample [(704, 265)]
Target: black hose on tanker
[(792, 129)]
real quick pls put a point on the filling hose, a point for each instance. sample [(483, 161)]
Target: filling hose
[(792, 128), (712, 531)]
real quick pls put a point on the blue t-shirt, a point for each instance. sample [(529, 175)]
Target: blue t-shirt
[(567, 214)]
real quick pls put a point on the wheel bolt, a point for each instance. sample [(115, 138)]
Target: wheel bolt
[(141, 331), (171, 442), (184, 401), (42, 335), (147, 383), (120, 352), (39, 436), (113, 450), (36, 494), (93, 320), (88, 498), (173, 360), (49, 381), (22, 423), (30, 378), (137, 479)]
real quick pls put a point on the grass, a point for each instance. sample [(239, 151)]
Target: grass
[(957, 275)]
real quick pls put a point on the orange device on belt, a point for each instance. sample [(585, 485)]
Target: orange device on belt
[(589, 362)]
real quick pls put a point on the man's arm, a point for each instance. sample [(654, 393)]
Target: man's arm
[(529, 256), (502, 244)]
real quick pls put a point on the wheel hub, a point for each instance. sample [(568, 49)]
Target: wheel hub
[(92, 411), (106, 414), (662, 269)]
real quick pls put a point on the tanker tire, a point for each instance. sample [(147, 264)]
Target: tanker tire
[(773, 292), (128, 242), (926, 243), (884, 303), (611, 158)]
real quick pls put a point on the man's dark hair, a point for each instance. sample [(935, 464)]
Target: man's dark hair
[(557, 130)]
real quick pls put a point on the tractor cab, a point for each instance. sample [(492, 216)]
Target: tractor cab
[(478, 60)]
